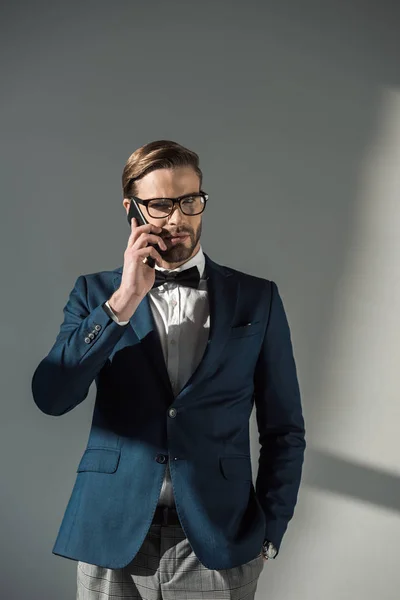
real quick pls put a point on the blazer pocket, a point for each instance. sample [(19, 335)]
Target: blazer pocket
[(236, 467), (101, 460), (250, 328)]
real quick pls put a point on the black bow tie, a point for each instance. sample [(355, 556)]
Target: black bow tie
[(187, 277)]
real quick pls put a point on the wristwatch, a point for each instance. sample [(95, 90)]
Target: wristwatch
[(269, 550)]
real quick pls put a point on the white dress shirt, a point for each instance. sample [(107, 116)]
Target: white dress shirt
[(182, 318)]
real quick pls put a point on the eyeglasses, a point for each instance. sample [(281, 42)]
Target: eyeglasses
[(159, 208)]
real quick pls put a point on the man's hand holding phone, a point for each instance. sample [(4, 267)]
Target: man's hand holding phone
[(137, 277)]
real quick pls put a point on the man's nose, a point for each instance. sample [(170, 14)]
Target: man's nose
[(176, 215)]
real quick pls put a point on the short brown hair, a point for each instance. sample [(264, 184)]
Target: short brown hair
[(161, 154)]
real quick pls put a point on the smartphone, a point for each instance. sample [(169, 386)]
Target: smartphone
[(134, 211)]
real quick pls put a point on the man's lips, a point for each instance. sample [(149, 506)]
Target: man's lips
[(176, 235), (173, 240)]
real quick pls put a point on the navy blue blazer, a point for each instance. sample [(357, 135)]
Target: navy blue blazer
[(248, 359)]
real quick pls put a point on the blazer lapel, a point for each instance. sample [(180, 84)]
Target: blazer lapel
[(223, 291)]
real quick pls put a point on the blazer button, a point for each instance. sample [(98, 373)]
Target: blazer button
[(161, 458), (172, 412), (87, 340), (91, 335), (97, 327)]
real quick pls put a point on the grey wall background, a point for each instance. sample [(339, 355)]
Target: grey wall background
[(294, 108)]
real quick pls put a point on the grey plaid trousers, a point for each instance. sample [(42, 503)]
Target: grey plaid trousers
[(166, 568)]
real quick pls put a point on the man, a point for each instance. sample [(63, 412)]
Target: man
[(163, 500)]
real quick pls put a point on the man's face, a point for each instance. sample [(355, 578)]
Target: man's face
[(171, 183)]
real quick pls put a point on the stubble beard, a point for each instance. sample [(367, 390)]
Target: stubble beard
[(182, 251)]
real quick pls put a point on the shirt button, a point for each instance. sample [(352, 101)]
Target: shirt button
[(172, 412), (172, 342)]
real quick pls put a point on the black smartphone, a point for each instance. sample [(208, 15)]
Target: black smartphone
[(134, 211)]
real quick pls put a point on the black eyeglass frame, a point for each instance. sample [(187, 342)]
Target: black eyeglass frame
[(174, 201)]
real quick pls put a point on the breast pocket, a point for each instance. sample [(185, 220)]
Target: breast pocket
[(247, 329)]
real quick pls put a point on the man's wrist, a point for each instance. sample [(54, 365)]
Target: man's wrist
[(123, 305), (107, 308)]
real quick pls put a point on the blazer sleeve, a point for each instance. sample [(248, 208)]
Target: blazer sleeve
[(280, 422), (62, 379)]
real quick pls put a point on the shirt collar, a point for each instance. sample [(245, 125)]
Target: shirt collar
[(197, 260)]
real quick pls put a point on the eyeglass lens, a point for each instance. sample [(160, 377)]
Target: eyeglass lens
[(191, 205)]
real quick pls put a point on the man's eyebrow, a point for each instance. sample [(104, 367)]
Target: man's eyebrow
[(182, 196)]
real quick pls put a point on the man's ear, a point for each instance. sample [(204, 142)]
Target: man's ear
[(126, 203)]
